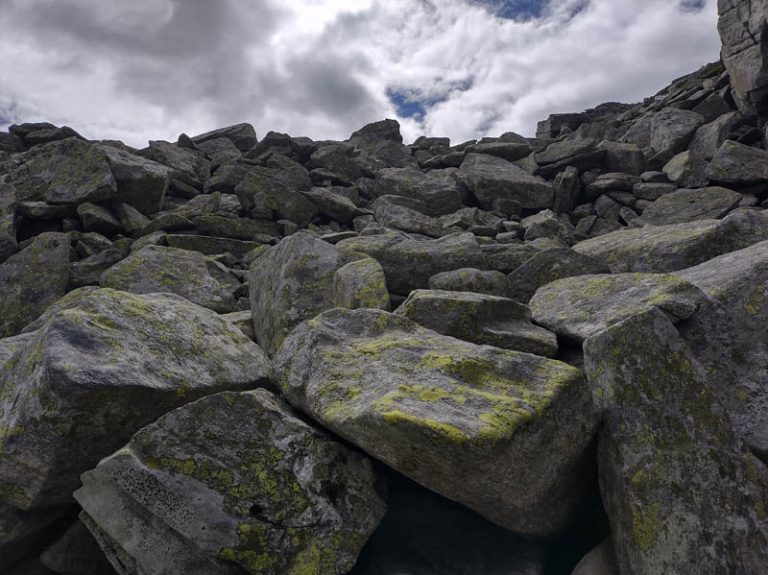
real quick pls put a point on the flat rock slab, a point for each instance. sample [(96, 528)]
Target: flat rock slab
[(499, 431), (191, 275), (735, 163), (490, 178), (580, 307), (471, 280), (682, 493), (690, 205), (100, 368), (481, 319), (232, 483)]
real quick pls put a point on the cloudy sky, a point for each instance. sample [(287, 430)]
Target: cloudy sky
[(150, 69)]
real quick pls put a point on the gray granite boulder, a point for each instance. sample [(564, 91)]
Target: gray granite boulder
[(490, 178), (684, 205)]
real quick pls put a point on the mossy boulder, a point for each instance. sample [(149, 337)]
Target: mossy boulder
[(503, 432), (579, 307), (409, 261), (490, 178), (682, 493), (106, 364), (361, 283), (195, 277), (233, 483), (291, 282), (479, 318), (32, 280), (471, 280), (690, 205)]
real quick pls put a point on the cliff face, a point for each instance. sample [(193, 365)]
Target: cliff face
[(286, 356)]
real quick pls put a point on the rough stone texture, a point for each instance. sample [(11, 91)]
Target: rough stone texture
[(333, 205), (682, 494), (209, 245), (189, 166), (243, 136), (456, 417), (671, 132), (61, 411), (98, 219), (193, 276), (264, 197), (76, 552), (690, 205), (88, 270), (736, 163), (291, 282), (233, 483), (687, 170), (141, 183), (547, 224), (580, 307), (409, 261), (471, 280), (490, 178), (567, 187), (361, 283), (31, 280), (404, 214), (481, 319), (677, 246), (437, 191), (8, 206)]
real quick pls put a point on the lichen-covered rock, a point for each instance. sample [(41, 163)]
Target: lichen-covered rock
[(547, 266), (437, 191), (33, 279), (333, 205), (233, 483), (141, 183), (409, 261), (195, 277), (482, 319), (189, 166), (8, 206), (690, 205), (210, 245), (76, 552), (548, 224), (263, 196), (88, 270), (499, 431), (243, 136), (100, 368), (291, 282), (98, 219), (361, 283), (682, 494), (471, 280), (404, 214), (490, 178), (237, 228), (676, 246), (579, 307), (735, 163)]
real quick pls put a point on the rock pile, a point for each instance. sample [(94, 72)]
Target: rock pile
[(285, 356)]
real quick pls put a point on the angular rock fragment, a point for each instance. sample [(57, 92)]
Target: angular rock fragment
[(141, 183), (471, 280), (437, 191), (361, 283), (490, 178), (735, 163), (243, 136), (690, 205)]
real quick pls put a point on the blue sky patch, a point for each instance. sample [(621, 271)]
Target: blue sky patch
[(406, 105), (692, 5), (413, 104), (515, 9)]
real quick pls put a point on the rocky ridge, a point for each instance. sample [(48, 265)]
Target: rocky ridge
[(536, 356)]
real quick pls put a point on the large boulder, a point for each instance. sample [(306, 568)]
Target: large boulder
[(8, 222), (490, 178), (104, 364), (471, 280), (409, 261), (579, 307), (291, 282), (32, 280), (504, 433), (735, 163), (690, 205), (361, 283), (264, 197), (243, 136), (437, 191), (141, 183), (232, 483), (195, 277), (189, 166), (682, 494)]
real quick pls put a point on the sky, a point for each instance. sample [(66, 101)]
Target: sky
[(144, 70)]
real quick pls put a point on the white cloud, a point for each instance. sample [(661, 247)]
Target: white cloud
[(150, 69)]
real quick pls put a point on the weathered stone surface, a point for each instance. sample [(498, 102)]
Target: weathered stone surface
[(189, 166), (547, 266), (132, 220), (361, 283), (567, 187), (291, 282), (61, 411), (193, 276), (671, 131), (456, 417), (548, 224), (736, 163), (266, 198), (235, 228), (690, 205), (600, 561), (233, 483), (471, 280), (141, 183), (88, 270), (677, 246), (478, 318), (687, 170), (243, 136), (506, 258), (682, 494), (404, 214), (31, 280), (98, 219), (209, 245), (437, 191), (409, 261), (8, 205), (708, 139), (490, 178), (580, 307), (333, 205), (76, 552)]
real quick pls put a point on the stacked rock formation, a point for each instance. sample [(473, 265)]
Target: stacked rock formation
[(285, 356)]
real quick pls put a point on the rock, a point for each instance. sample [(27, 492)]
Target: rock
[(437, 191), (580, 154), (62, 412), (98, 219), (708, 139), (686, 170), (671, 130), (621, 157), (361, 283), (167, 222), (181, 498), (676, 246), (579, 307), (404, 214), (209, 245), (409, 261), (243, 136), (567, 187), (547, 266), (456, 417), (490, 178), (554, 124), (388, 130), (131, 219), (652, 191), (548, 224), (291, 282), (690, 205), (235, 228), (336, 159), (600, 561), (506, 258), (76, 552), (471, 280), (22, 532), (33, 279), (141, 183), (265, 198), (225, 179), (8, 205), (88, 270), (742, 31), (481, 319), (510, 151), (193, 276), (189, 166), (333, 205), (219, 150), (45, 211), (736, 163), (666, 440)]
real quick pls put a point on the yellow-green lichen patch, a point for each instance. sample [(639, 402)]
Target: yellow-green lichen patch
[(646, 524), (252, 550), (439, 428), (754, 305)]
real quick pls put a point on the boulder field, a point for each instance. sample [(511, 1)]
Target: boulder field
[(512, 356)]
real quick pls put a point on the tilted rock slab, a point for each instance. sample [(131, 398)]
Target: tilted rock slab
[(232, 483), (682, 494), (98, 371), (502, 432)]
